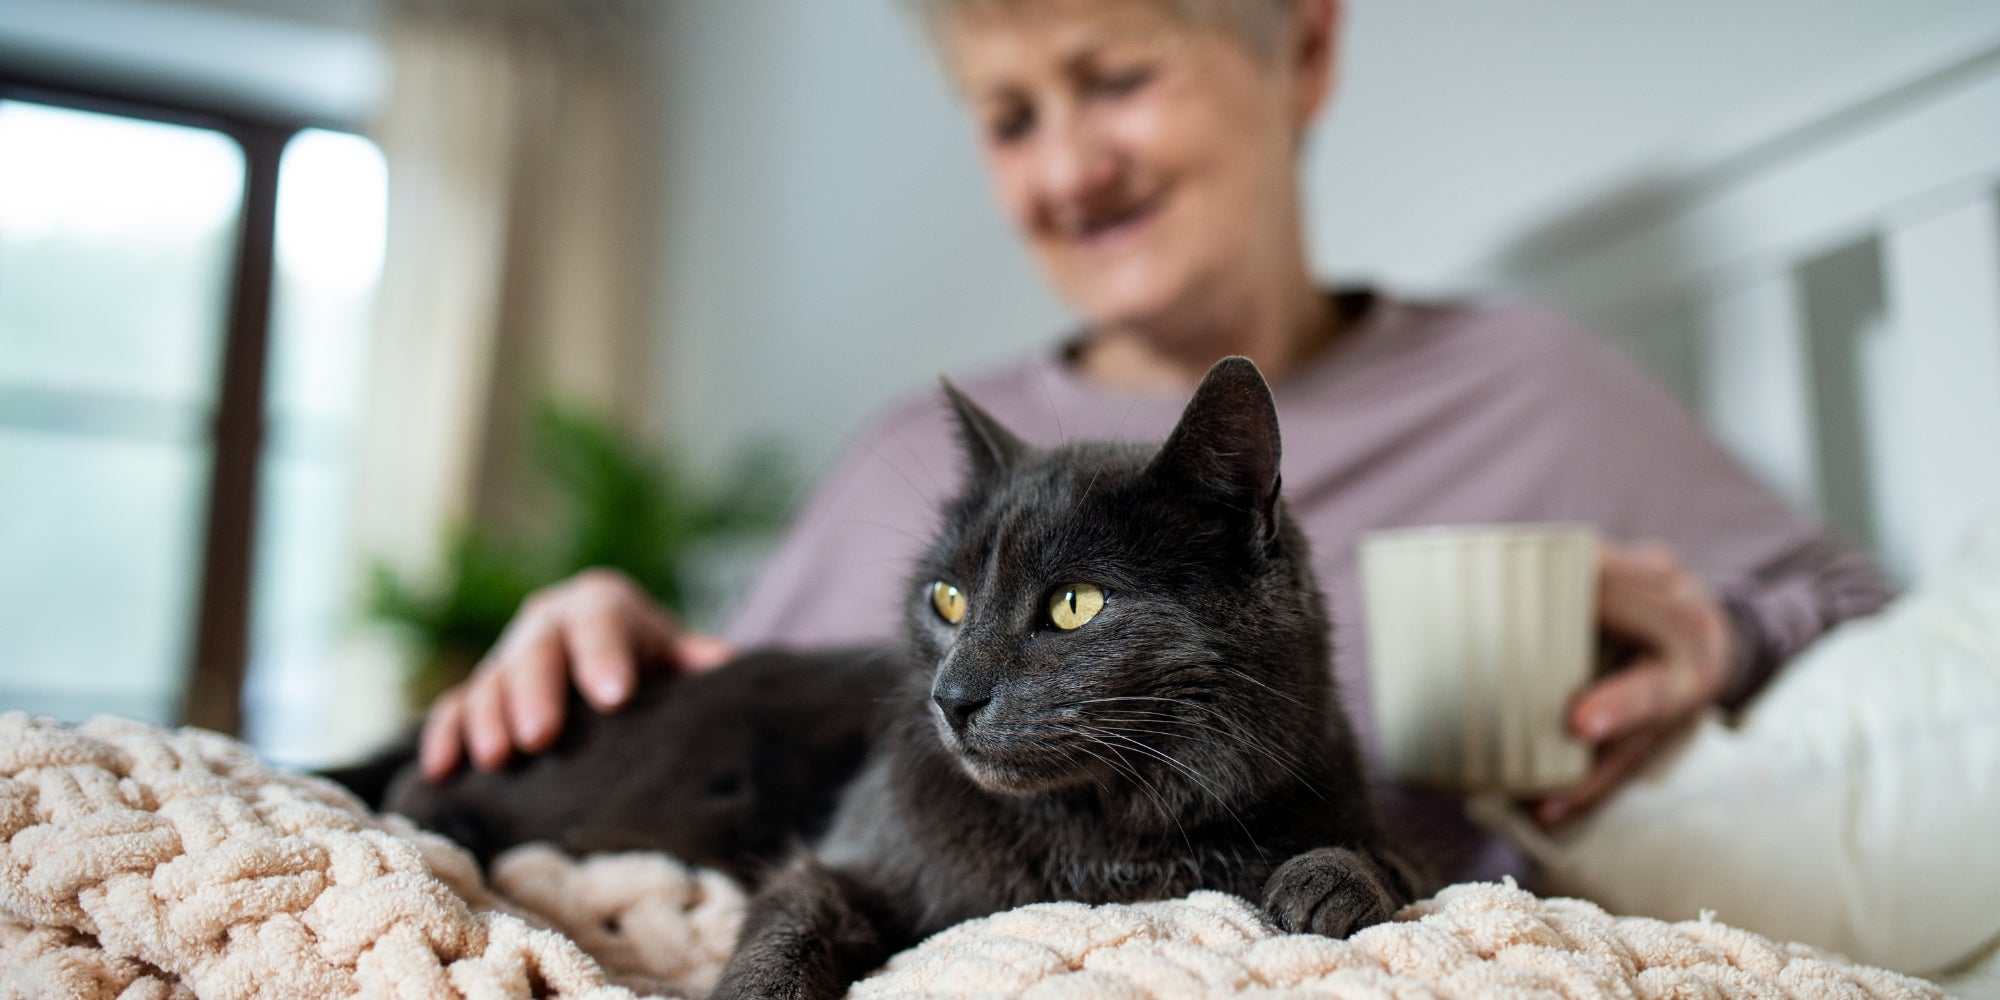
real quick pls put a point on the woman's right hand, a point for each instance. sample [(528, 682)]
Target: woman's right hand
[(594, 628)]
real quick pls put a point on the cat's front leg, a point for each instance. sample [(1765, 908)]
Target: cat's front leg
[(1336, 891), (809, 933)]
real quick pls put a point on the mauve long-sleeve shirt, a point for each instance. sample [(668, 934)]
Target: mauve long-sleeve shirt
[(1418, 414)]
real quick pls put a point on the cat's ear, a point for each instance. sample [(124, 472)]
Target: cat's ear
[(1226, 445), (991, 448)]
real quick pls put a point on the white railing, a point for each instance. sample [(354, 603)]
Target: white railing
[(1828, 299)]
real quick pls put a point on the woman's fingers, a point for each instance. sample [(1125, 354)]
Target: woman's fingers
[(600, 655), (486, 720), (658, 634), (1653, 598), (1682, 634), (1644, 594), (1615, 763), (1650, 692), (698, 653), (593, 630), (443, 740), (536, 689)]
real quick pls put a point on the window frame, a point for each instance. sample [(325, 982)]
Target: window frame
[(218, 658)]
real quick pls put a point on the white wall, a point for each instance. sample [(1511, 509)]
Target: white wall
[(829, 243), (828, 240), (1464, 121)]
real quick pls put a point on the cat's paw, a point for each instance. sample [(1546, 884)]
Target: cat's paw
[(1332, 891)]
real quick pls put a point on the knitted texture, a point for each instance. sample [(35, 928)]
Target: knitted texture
[(142, 864), (1472, 940), (146, 863), (654, 924)]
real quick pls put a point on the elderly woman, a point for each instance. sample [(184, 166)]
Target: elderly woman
[(1148, 151)]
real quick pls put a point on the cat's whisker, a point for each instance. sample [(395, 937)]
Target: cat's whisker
[(884, 525), (1138, 779), (1198, 706), (1126, 770), (1169, 813), (1069, 759), (1117, 434), (927, 499), (1061, 436), (1123, 697), (1294, 699), (1200, 779), (1208, 710), (1253, 751), (1243, 741), (1036, 736)]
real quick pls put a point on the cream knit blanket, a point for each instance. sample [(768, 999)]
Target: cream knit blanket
[(143, 864)]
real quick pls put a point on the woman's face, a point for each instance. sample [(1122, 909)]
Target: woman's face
[(1150, 164)]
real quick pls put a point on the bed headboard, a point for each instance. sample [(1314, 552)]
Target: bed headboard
[(1827, 298)]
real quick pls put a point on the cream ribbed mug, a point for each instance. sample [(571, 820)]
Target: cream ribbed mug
[(1478, 638)]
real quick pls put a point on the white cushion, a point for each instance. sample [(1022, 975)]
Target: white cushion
[(1855, 806)]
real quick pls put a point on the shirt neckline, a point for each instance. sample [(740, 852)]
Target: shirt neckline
[(1371, 317)]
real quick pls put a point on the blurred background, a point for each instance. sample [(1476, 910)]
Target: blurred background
[(328, 328)]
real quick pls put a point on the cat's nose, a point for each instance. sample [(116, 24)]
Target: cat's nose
[(958, 705)]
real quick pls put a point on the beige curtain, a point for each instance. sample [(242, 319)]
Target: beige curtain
[(520, 146), (520, 151)]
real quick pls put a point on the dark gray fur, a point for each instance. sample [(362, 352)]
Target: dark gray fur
[(1186, 738), (729, 770)]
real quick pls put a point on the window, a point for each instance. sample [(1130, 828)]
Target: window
[(184, 309), (332, 203)]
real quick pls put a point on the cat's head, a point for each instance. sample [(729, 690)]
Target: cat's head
[(1125, 614)]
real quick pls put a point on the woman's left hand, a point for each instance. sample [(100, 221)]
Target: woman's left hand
[(1683, 640)]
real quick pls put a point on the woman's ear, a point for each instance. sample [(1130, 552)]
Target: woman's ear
[(1312, 54)]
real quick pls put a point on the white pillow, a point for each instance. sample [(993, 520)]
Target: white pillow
[(1854, 807)]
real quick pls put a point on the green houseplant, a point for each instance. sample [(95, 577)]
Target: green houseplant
[(611, 502)]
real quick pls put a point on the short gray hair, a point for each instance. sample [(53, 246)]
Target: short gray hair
[(1260, 23)]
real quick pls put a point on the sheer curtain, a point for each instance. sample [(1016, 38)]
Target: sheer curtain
[(520, 151)]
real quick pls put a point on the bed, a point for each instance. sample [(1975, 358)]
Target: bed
[(1825, 294)]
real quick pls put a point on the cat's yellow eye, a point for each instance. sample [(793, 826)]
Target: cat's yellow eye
[(1073, 605), (950, 604)]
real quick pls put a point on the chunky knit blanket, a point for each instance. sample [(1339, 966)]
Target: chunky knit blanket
[(143, 864)]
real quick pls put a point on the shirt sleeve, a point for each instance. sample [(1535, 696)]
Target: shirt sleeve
[(1781, 610), (837, 577), (1783, 578)]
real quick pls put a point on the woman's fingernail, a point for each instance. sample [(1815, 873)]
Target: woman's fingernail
[(487, 754), (1596, 725), (532, 730), (611, 690)]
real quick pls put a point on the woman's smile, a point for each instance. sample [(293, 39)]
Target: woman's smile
[(1114, 228)]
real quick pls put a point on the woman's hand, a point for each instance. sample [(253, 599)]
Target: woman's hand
[(594, 628), (1683, 640)]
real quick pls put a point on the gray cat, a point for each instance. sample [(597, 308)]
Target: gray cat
[(1113, 686)]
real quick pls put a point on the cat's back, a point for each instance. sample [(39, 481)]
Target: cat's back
[(724, 768)]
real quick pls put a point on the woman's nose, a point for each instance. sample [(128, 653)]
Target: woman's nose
[(1077, 168)]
